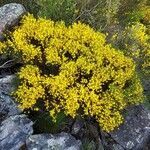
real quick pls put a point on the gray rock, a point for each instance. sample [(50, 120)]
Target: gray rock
[(9, 15), (116, 147), (7, 106), (14, 128), (6, 86), (62, 141), (77, 126), (135, 132), (146, 84), (14, 131)]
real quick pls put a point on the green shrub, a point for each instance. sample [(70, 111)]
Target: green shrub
[(97, 13), (136, 45), (131, 11), (57, 10)]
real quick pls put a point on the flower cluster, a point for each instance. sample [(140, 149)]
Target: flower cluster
[(138, 46), (2, 47), (72, 69), (134, 42)]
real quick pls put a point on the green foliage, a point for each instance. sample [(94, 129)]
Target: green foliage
[(134, 16), (43, 122), (137, 46), (97, 13), (88, 144), (102, 14), (57, 10), (131, 11)]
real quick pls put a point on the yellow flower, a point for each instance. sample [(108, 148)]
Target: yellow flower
[(72, 69)]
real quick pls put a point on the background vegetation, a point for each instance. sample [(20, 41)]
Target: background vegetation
[(125, 22)]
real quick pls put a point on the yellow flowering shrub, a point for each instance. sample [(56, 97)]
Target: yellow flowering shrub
[(72, 69), (134, 41), (146, 11), (138, 33), (146, 61), (2, 47), (137, 45)]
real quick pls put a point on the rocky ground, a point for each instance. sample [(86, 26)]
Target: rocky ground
[(16, 129)]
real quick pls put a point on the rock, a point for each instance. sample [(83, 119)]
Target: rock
[(14, 128), (14, 131), (135, 132), (77, 126), (146, 84), (116, 147), (7, 106), (6, 86), (9, 15), (61, 141)]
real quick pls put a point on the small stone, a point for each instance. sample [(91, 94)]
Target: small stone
[(77, 126)]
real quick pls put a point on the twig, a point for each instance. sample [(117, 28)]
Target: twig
[(86, 11), (6, 64)]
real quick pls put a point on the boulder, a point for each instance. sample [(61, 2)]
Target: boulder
[(61, 141), (134, 134), (7, 106), (9, 16), (14, 131)]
